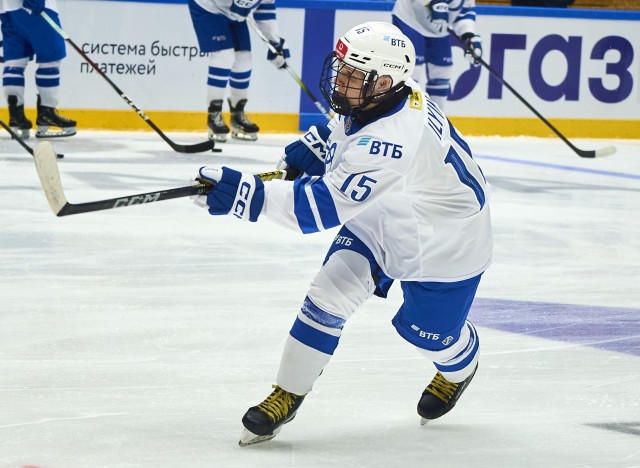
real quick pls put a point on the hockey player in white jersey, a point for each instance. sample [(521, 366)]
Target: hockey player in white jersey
[(222, 31), (426, 24), (25, 34), (413, 205)]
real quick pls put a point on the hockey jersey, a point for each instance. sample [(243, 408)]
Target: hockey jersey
[(406, 184), (414, 13), (263, 11), (11, 5)]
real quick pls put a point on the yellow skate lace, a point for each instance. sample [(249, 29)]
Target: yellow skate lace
[(442, 388), (277, 405)]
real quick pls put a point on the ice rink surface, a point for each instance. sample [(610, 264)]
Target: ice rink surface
[(138, 337)]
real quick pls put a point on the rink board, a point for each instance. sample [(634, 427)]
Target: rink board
[(578, 68)]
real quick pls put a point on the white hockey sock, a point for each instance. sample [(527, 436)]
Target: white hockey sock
[(48, 83), (13, 78), (220, 63), (240, 77)]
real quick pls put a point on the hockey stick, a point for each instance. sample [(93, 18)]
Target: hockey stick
[(196, 148), (45, 159), (606, 151), (17, 137), (293, 74)]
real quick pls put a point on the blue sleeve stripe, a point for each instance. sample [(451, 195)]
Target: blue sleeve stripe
[(326, 205), (263, 7), (264, 16), (313, 338), (302, 207), (240, 10)]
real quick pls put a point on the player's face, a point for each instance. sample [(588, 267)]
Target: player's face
[(349, 82)]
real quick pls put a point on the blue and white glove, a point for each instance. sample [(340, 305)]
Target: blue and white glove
[(308, 153), (233, 193), (439, 10), (472, 47), (34, 7), (281, 54)]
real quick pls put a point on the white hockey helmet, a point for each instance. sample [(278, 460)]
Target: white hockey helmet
[(374, 48), (380, 47)]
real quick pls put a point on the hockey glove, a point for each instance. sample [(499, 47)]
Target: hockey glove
[(308, 153), (439, 10), (281, 54), (34, 7), (233, 192), (472, 47)]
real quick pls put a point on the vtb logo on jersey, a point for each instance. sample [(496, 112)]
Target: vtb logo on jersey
[(383, 148)]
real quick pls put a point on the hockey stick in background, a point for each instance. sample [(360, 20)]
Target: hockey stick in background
[(45, 159), (196, 148), (606, 151), (16, 137), (293, 74)]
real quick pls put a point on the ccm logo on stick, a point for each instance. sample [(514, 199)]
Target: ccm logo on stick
[(137, 200)]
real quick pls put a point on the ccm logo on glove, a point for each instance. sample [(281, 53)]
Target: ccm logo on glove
[(241, 200)]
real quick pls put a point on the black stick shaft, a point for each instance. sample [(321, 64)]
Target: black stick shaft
[(498, 76), (139, 199), (196, 148), (22, 143)]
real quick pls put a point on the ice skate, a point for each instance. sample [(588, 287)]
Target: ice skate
[(263, 422), (18, 122), (218, 130), (440, 397), (241, 127), (48, 117)]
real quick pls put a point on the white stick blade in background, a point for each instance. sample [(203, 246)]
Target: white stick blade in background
[(45, 157)]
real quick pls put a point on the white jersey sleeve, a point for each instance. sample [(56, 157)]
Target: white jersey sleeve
[(407, 185), (416, 14), (320, 203)]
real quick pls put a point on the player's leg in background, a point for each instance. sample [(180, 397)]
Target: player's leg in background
[(216, 39), (439, 65), (50, 50), (433, 317), (16, 52), (241, 127), (343, 284), (418, 41)]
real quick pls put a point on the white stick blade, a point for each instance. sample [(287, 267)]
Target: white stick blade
[(45, 157), (606, 151)]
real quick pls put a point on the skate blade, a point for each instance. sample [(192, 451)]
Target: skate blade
[(218, 137), (238, 135), (22, 133), (45, 132), (249, 438)]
